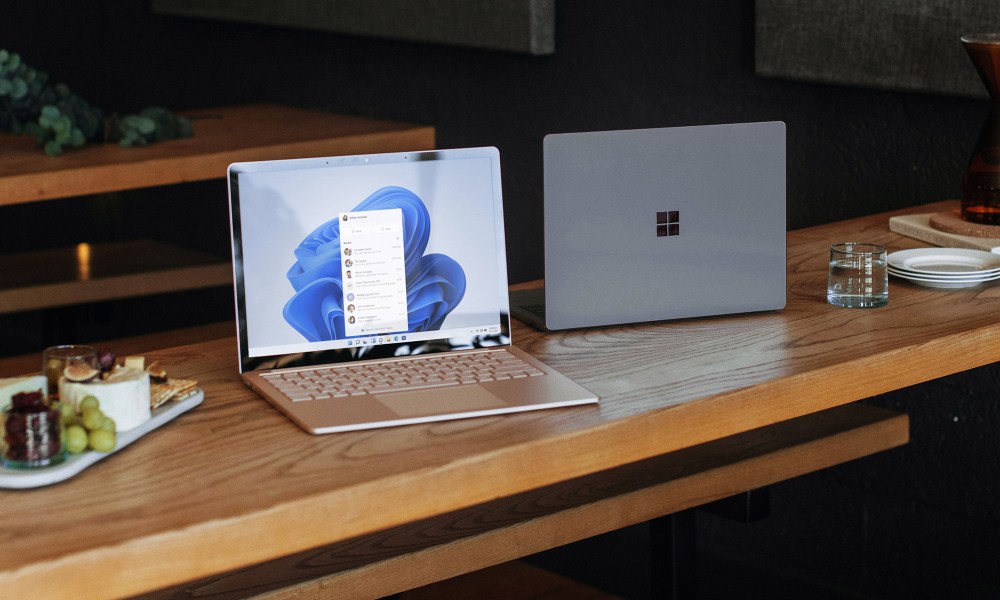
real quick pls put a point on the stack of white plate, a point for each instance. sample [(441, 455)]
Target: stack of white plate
[(944, 267)]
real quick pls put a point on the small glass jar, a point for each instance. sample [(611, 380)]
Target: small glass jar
[(57, 358), (32, 433)]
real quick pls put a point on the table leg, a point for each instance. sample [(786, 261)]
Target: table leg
[(744, 508), (673, 556)]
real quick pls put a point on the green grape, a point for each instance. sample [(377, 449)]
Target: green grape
[(92, 418), (75, 439), (67, 416), (108, 424), (102, 440), (89, 402)]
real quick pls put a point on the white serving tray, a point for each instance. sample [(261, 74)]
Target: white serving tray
[(19, 479)]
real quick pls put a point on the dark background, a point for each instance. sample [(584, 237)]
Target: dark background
[(920, 521)]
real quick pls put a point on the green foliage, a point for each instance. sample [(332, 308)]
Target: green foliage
[(59, 118), (152, 124), (53, 130), (23, 92)]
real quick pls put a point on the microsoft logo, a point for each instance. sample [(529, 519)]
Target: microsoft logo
[(668, 223)]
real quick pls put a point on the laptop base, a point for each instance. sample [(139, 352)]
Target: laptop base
[(528, 306)]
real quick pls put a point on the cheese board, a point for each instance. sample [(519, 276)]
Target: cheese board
[(76, 463)]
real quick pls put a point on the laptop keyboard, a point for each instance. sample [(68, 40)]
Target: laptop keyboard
[(417, 373)]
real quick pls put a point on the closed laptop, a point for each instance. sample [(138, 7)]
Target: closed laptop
[(666, 223)]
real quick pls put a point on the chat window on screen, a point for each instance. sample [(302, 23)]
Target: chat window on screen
[(374, 272)]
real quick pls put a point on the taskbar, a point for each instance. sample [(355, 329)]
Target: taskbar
[(376, 340)]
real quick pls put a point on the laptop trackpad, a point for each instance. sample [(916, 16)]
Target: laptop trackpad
[(441, 401)]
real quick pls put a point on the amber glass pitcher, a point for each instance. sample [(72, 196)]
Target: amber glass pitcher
[(981, 181)]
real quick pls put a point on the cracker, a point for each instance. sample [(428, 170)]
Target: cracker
[(183, 386), (160, 393), (173, 389)]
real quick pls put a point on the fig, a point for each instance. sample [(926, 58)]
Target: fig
[(80, 373)]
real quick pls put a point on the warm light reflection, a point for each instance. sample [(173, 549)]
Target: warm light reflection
[(83, 261)]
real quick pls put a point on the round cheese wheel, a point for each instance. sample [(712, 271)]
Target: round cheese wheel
[(124, 396)]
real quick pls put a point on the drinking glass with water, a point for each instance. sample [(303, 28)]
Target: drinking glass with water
[(858, 277)]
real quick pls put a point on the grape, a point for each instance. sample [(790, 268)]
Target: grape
[(92, 418), (102, 440), (93, 429), (105, 359), (89, 402), (75, 439), (67, 416)]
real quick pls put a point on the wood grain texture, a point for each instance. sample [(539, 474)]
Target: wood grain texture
[(919, 227), (233, 483), (467, 540), (221, 136)]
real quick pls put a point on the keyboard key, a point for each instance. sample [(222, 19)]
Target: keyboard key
[(325, 383)]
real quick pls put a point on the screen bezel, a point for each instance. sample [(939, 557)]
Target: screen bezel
[(363, 352)]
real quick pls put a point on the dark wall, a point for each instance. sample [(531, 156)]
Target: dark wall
[(650, 64), (921, 521), (913, 522)]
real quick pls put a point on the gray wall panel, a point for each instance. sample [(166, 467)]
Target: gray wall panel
[(514, 25), (910, 45)]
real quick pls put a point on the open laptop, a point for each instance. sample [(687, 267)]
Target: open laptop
[(372, 291), (654, 224)]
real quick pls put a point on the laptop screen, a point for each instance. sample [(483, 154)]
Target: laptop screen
[(348, 258)]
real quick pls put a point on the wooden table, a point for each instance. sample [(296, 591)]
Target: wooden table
[(235, 495)]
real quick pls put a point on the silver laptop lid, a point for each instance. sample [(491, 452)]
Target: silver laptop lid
[(653, 224), (356, 257)]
